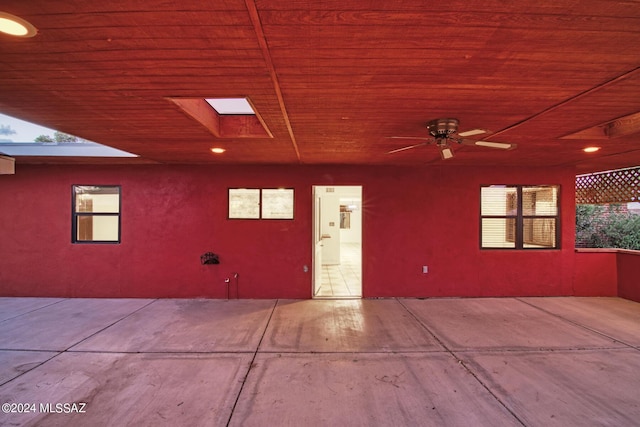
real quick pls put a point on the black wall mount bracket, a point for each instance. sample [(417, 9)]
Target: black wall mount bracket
[(209, 258)]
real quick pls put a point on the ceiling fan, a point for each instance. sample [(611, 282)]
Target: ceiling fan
[(444, 132)]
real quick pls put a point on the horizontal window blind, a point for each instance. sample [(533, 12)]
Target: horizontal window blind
[(519, 217)]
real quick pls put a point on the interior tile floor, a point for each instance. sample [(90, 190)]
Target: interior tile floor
[(343, 280), (430, 362)]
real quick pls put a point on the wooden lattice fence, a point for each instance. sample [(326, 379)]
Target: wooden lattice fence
[(617, 186)]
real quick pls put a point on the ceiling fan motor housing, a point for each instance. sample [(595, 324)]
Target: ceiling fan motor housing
[(442, 127)]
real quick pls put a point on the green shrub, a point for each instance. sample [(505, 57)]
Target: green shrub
[(607, 226)]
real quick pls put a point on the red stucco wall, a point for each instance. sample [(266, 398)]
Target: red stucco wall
[(173, 214), (629, 275), (596, 273)]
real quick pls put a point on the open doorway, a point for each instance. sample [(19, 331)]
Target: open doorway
[(337, 240)]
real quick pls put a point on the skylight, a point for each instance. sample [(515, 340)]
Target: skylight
[(231, 105), (22, 138), (225, 117)]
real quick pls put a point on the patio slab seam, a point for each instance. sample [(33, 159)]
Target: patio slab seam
[(34, 367), (464, 365), (110, 325), (59, 352), (58, 301), (580, 325), (382, 352), (489, 350), (252, 362)]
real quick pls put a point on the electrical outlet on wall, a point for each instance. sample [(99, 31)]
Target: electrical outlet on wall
[(425, 269)]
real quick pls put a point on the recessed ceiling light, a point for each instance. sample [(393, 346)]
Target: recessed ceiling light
[(218, 150), (12, 25), (230, 105), (591, 149)]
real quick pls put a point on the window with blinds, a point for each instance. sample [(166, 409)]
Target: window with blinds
[(519, 217)]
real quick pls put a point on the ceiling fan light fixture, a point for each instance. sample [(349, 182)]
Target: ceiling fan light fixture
[(442, 127), (446, 152), (591, 149)]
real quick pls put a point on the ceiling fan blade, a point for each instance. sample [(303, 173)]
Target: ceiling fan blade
[(489, 144), (410, 137), (472, 132), (408, 148), (500, 145)]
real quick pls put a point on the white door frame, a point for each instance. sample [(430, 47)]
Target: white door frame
[(316, 264), (317, 239)]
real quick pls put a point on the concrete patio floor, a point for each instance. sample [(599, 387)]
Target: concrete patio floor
[(390, 362)]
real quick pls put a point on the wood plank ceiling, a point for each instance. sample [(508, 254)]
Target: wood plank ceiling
[(332, 80)]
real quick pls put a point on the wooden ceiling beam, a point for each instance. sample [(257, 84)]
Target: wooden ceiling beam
[(255, 19), (627, 75)]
